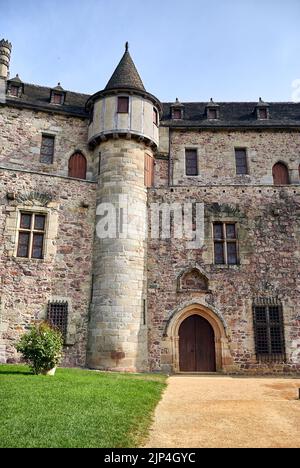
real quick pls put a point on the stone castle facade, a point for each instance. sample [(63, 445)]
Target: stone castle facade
[(73, 166)]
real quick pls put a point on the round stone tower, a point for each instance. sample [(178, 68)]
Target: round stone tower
[(124, 134), (5, 52)]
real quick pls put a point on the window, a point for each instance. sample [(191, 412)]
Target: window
[(268, 331), (155, 116), (77, 166), (14, 90), (177, 114), (123, 105), (47, 149), (31, 235), (149, 171), (225, 244), (212, 113), (191, 162), (280, 174), (57, 316), (57, 98), (262, 114), (241, 161)]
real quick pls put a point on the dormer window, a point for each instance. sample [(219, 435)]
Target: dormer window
[(15, 87), (57, 95), (212, 110), (123, 105), (177, 110), (262, 110)]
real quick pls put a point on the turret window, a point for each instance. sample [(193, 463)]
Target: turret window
[(155, 116), (123, 105)]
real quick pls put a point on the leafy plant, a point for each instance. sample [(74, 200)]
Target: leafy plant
[(41, 347)]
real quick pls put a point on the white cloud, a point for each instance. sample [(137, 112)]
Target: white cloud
[(296, 90)]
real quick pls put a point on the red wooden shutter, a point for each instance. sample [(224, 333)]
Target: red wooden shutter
[(280, 174), (149, 171), (77, 166)]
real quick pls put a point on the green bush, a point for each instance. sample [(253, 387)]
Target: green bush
[(41, 347)]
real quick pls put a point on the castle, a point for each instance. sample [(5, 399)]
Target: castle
[(97, 193)]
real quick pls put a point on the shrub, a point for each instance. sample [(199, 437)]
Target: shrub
[(41, 347)]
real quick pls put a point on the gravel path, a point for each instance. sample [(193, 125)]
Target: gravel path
[(217, 411)]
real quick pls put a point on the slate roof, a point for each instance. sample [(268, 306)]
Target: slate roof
[(38, 97), (125, 75), (232, 114)]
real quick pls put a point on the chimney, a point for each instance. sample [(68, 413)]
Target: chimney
[(5, 51)]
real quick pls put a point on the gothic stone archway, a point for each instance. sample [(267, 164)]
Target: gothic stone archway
[(223, 359)]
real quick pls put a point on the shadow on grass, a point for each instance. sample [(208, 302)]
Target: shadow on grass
[(10, 372)]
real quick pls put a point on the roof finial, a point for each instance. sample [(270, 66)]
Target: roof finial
[(126, 46)]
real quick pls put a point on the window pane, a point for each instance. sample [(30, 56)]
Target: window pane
[(218, 231), (219, 253), (57, 98), (23, 245), (212, 113), (231, 253), (261, 314), (123, 105), (191, 162), (274, 314), (37, 246), (230, 231), (25, 221), (176, 114), (47, 150), (263, 113), (276, 341), (262, 340), (155, 116), (39, 223), (241, 161)]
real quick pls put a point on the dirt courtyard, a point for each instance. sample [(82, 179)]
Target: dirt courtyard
[(224, 411)]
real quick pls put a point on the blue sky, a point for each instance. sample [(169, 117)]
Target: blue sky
[(231, 50)]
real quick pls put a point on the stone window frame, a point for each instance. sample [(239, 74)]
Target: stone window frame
[(51, 229), (31, 231), (209, 236), (192, 147)]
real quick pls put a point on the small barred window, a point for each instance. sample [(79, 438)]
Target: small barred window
[(268, 330), (57, 316)]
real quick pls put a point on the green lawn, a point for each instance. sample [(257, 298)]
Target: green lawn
[(76, 408)]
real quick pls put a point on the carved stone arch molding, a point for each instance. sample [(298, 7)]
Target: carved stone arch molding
[(34, 199), (193, 279), (170, 361)]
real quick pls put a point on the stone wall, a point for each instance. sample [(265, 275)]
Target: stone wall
[(66, 271), (21, 133), (268, 238), (216, 155)]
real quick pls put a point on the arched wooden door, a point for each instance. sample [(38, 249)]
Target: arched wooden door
[(77, 166), (196, 345), (280, 174)]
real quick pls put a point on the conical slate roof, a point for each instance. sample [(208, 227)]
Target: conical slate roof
[(126, 74)]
